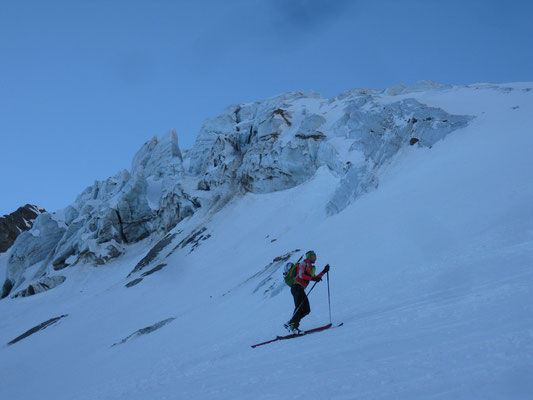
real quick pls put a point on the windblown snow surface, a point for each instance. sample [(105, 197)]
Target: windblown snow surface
[(431, 274)]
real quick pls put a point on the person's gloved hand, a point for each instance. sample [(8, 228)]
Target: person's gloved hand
[(317, 278), (326, 268)]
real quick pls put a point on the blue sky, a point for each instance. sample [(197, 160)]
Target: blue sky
[(83, 84)]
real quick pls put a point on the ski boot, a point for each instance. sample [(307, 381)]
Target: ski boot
[(292, 328)]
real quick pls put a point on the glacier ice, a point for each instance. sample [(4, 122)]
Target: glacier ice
[(260, 147)]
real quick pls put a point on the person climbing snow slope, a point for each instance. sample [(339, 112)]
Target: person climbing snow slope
[(305, 273)]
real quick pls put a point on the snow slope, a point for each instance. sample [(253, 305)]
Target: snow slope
[(430, 273)]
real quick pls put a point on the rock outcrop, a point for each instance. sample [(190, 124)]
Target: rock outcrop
[(12, 225), (37, 328)]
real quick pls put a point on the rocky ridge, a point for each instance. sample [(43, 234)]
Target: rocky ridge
[(14, 224)]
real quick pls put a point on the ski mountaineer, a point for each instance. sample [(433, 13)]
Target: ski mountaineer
[(304, 274)]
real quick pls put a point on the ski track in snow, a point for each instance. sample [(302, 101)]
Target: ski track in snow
[(431, 275)]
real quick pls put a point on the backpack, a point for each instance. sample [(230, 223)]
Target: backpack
[(289, 272)]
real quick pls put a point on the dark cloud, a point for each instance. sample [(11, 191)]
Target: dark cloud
[(304, 15)]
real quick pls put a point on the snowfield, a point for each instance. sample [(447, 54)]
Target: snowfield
[(431, 274)]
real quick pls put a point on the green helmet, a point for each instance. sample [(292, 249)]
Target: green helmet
[(310, 254)]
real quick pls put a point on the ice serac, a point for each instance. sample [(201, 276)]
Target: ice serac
[(378, 131), (279, 143), (265, 146), (159, 158), (30, 248), (261, 147), (130, 206), (105, 218)]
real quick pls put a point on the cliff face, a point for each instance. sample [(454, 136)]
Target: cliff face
[(12, 225), (261, 147)]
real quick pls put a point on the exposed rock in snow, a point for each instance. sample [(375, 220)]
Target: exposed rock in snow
[(134, 282), (193, 240), (146, 331), (153, 253), (47, 283), (145, 274), (37, 328), (272, 282), (13, 224), (271, 276)]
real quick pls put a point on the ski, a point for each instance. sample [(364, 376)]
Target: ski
[(295, 335)]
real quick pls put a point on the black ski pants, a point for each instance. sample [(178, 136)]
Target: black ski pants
[(301, 304)]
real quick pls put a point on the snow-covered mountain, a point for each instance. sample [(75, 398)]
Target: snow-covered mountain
[(155, 282), (261, 147)]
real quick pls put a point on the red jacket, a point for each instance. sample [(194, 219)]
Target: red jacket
[(306, 272)]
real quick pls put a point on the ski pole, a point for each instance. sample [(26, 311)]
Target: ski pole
[(312, 287), (329, 299), (295, 311)]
